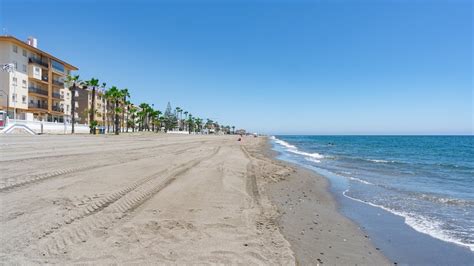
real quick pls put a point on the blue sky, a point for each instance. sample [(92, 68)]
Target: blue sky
[(278, 67)]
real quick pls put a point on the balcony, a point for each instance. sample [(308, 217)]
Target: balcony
[(58, 83), (56, 95), (58, 109), (38, 106), (33, 60), (37, 90)]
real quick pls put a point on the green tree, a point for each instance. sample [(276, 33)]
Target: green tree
[(133, 113), (198, 122), (125, 94), (110, 111), (92, 84), (102, 95), (116, 96), (186, 120), (143, 115), (191, 124), (74, 83)]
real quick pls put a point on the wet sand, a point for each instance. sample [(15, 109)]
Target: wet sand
[(310, 220), (147, 198)]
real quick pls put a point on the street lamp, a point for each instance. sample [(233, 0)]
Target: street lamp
[(8, 68)]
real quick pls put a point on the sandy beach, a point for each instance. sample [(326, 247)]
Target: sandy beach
[(147, 198)]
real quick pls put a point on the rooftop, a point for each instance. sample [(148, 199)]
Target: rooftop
[(39, 51)]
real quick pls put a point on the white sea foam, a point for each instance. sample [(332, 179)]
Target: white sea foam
[(312, 160), (360, 180), (380, 161), (419, 223), (285, 144), (294, 149), (447, 201)]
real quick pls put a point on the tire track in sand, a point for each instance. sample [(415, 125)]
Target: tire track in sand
[(13, 182), (100, 216), (121, 148)]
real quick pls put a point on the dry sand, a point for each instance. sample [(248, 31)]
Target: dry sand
[(147, 198)]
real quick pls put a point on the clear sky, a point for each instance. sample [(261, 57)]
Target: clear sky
[(278, 67)]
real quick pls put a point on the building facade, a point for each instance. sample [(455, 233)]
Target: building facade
[(35, 89), (84, 106)]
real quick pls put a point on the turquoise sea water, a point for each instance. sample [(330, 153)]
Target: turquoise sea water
[(428, 180)]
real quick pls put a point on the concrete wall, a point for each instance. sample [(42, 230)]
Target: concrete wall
[(51, 127)]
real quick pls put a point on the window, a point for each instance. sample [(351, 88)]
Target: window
[(14, 97), (16, 64), (15, 80), (24, 53), (24, 68), (23, 99), (67, 107), (23, 83), (58, 66), (15, 49)]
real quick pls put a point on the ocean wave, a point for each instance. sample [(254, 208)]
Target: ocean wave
[(447, 201), (312, 160), (359, 180), (379, 161), (294, 149), (419, 223)]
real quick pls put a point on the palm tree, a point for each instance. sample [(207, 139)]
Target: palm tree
[(127, 106), (185, 119), (74, 83), (198, 122), (92, 83), (181, 126), (116, 97), (177, 110), (104, 103), (143, 114), (155, 118), (125, 94), (191, 123), (133, 112), (162, 120), (108, 98), (209, 124)]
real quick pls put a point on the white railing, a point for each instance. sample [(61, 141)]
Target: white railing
[(177, 132), (42, 127)]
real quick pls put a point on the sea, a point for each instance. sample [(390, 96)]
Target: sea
[(426, 180)]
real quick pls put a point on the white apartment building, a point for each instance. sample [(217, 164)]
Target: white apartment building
[(35, 89)]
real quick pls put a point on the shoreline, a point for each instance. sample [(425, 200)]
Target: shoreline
[(310, 220), (390, 233)]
